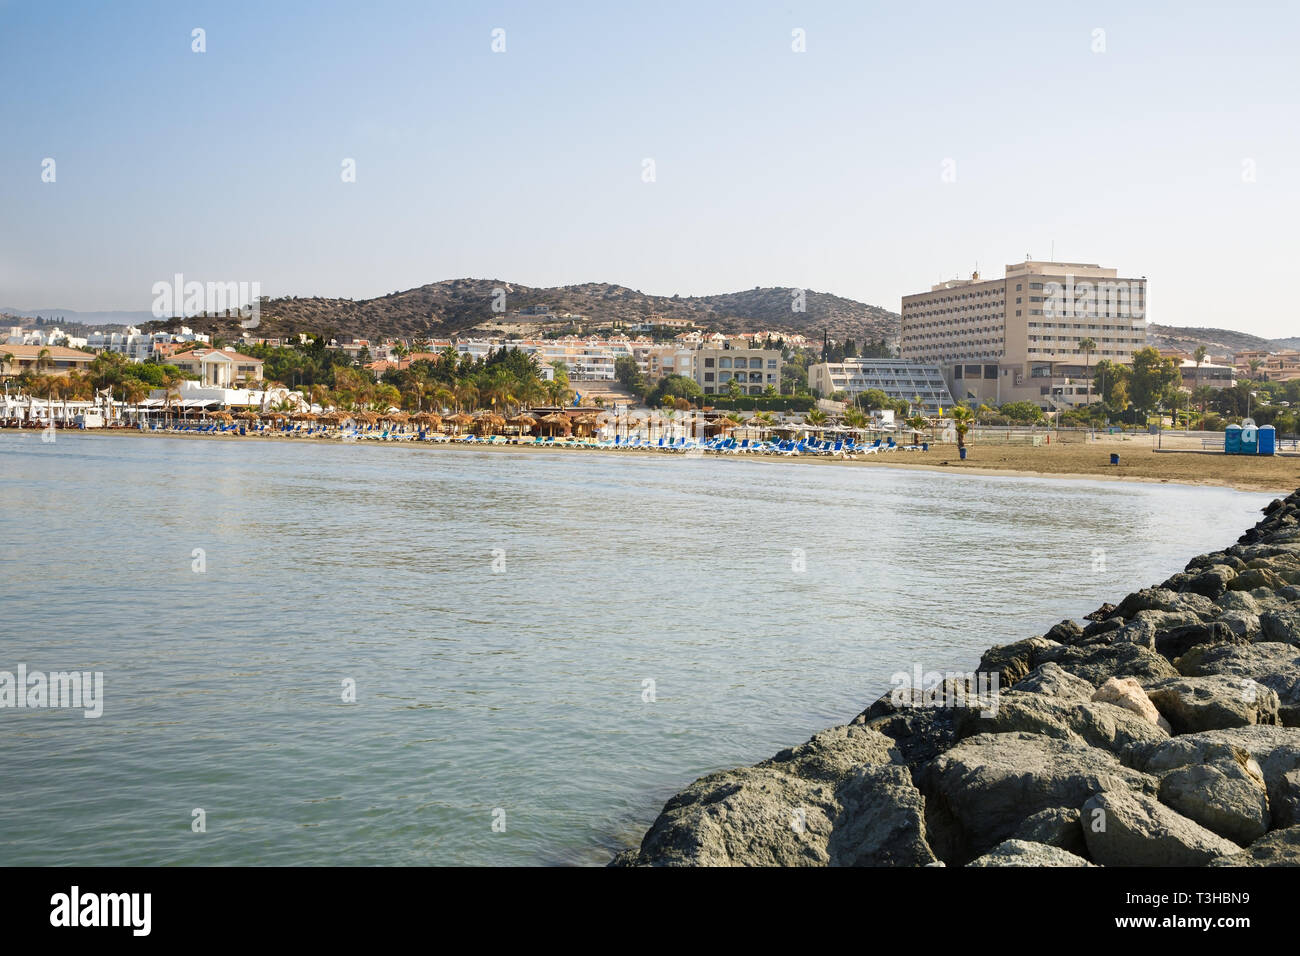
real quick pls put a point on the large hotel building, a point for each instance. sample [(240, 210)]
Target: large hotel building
[(1017, 338)]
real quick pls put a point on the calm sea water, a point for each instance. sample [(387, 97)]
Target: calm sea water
[(516, 688)]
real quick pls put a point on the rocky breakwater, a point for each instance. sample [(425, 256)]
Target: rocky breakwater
[(1164, 731)]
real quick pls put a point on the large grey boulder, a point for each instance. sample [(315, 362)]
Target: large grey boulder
[(1279, 848), (1274, 665), (1099, 663), (1013, 661), (1177, 641), (744, 817), (1148, 599), (881, 821), (1051, 680), (1211, 582), (981, 791), (1225, 793), (1024, 853), (1274, 750), (1243, 624), (1191, 704), (1059, 826), (835, 753), (836, 800), (1196, 604), (1252, 578), (1238, 601), (1094, 723), (1133, 829), (1281, 625)]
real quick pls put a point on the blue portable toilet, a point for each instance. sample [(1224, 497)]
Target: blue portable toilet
[(1232, 440), (1249, 439), (1268, 440)]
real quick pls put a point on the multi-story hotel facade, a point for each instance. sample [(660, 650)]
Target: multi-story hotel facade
[(1017, 338)]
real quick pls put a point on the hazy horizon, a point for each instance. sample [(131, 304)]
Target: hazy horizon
[(900, 148)]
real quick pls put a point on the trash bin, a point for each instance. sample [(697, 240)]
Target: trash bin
[(1232, 440), (1114, 458), (962, 452), (925, 446), (1267, 440)]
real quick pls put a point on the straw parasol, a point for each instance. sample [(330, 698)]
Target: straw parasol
[(584, 424), (460, 420), (555, 422), (303, 416), (426, 418), (247, 416), (488, 423), (398, 417), (521, 422)]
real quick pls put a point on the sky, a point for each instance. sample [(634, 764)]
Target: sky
[(907, 143)]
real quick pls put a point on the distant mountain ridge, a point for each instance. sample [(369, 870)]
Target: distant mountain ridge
[(1216, 341), (73, 317), (456, 306)]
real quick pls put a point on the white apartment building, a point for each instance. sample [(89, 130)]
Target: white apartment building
[(897, 378)]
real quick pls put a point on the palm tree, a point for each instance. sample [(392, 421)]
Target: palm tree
[(962, 417), (1255, 365), (466, 396), (815, 417), (442, 396)]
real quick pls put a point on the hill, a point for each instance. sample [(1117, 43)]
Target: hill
[(456, 306), (1216, 341)]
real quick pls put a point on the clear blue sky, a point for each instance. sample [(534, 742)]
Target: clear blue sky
[(819, 170)]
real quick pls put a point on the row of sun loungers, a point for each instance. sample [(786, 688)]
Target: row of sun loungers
[(840, 447)]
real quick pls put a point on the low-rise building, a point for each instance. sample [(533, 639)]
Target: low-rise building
[(218, 368), (898, 379), (753, 369), (43, 359)]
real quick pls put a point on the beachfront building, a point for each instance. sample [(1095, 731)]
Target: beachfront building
[(658, 361), (1282, 366), (753, 369), (897, 378), (42, 359), (1211, 374), (218, 368), (1017, 338)]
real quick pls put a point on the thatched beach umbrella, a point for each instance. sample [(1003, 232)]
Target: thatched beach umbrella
[(555, 422), (584, 425), (489, 423), (521, 422), (460, 420), (248, 416)]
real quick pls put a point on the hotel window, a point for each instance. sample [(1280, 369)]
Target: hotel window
[(708, 376), (724, 363)]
